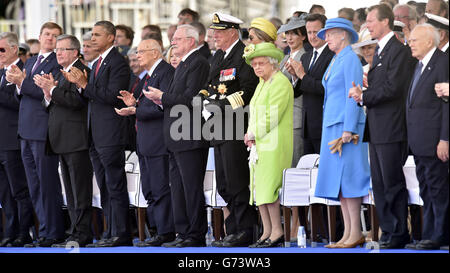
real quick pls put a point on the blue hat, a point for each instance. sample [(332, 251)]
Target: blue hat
[(339, 23)]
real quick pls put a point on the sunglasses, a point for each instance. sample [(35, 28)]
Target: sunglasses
[(2, 50)]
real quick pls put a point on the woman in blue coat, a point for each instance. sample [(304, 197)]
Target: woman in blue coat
[(343, 176)]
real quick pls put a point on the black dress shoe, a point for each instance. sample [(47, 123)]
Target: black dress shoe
[(73, 242), (219, 243), (49, 242), (20, 241), (189, 242), (241, 239), (259, 242), (174, 243), (427, 245), (6, 241), (269, 243), (115, 242), (396, 243), (411, 246), (158, 240)]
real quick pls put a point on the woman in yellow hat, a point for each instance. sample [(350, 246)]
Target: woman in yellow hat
[(261, 30)]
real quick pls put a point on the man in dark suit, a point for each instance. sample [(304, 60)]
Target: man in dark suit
[(230, 76), (108, 131), (427, 119), (14, 195), (183, 137), (310, 72), (68, 137), (41, 169), (153, 154), (385, 128), (203, 47)]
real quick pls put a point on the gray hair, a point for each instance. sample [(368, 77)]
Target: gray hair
[(132, 51), (432, 31), (11, 38), (412, 13), (191, 32), (87, 36), (158, 45), (274, 62), (74, 43)]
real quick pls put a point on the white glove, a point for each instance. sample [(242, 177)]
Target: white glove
[(253, 158), (205, 113)]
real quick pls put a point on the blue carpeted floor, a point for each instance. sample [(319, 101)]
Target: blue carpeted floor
[(238, 250)]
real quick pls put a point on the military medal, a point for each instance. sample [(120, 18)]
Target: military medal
[(222, 89), (227, 75)]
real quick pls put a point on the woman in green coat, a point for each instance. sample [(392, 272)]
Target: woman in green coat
[(270, 136)]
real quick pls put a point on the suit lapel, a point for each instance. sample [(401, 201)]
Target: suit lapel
[(383, 52), (44, 63), (104, 63), (323, 56), (181, 68), (423, 77), (217, 64)]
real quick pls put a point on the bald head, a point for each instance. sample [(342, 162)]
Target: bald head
[(148, 52), (422, 39)]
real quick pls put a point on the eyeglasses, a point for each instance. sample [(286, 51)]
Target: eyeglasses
[(180, 38), (2, 50), (398, 17), (63, 49), (140, 52), (258, 64)]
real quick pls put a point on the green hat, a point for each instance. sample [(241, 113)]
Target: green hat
[(262, 50)]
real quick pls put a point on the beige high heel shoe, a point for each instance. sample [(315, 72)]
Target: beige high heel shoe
[(359, 242)]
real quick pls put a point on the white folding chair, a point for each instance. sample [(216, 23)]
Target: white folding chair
[(134, 186), (415, 202), (295, 189)]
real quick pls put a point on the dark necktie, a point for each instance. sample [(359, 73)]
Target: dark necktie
[(97, 68), (135, 84), (2, 76), (147, 77), (314, 60), (177, 70), (375, 56), (37, 63), (416, 78)]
